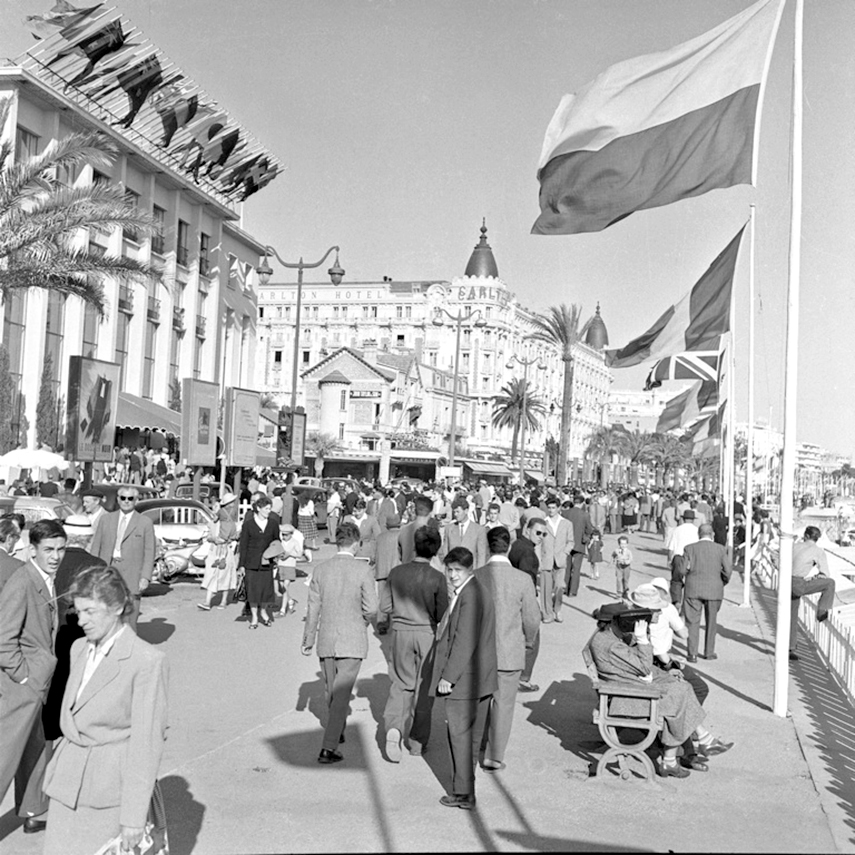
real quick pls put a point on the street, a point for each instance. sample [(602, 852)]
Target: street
[(240, 772)]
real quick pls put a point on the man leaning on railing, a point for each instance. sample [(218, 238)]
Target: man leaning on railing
[(810, 576)]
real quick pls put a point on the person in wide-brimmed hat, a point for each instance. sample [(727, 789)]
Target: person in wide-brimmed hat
[(622, 656)]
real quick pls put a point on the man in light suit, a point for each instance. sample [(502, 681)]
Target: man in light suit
[(517, 626), (343, 600), (125, 540), (555, 549), (465, 672), (10, 533), (28, 620), (461, 531), (707, 570)]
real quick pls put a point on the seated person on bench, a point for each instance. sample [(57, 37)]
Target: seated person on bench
[(621, 656)]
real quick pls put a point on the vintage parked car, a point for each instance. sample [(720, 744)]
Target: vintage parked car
[(178, 525), (35, 508)]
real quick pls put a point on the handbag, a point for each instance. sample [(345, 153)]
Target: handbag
[(240, 591)]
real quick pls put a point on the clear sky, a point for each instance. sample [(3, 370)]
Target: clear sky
[(403, 122)]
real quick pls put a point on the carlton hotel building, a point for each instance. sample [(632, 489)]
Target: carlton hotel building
[(377, 372)]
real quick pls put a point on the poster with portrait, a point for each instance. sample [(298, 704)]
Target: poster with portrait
[(241, 427), (93, 399), (199, 411)]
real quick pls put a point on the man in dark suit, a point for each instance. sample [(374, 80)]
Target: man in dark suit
[(27, 662), (79, 529), (342, 602), (583, 528), (415, 598), (517, 627), (465, 672), (125, 539), (424, 516), (10, 533), (524, 556), (707, 568)]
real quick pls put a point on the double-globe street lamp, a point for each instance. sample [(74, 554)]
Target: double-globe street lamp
[(460, 318), (525, 364), (264, 270)]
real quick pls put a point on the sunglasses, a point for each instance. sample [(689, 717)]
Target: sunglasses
[(539, 533), (127, 498)]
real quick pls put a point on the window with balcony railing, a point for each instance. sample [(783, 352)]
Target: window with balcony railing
[(204, 259), (158, 242), (126, 300), (153, 310), (178, 319), (182, 246), (200, 326), (130, 233)]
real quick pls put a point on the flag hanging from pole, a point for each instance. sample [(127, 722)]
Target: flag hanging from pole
[(692, 365), (658, 128), (699, 400), (696, 323)]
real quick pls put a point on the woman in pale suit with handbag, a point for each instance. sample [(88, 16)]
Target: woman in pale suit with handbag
[(113, 717), (220, 563)]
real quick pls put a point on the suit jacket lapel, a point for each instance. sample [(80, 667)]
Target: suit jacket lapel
[(132, 522), (44, 594), (107, 670)]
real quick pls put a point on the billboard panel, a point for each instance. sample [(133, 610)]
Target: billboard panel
[(199, 403), (298, 438), (93, 398), (241, 427)]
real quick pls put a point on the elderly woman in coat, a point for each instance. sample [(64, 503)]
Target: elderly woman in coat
[(627, 656), (113, 717)]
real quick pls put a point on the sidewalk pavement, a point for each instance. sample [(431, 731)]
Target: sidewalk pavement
[(240, 772)]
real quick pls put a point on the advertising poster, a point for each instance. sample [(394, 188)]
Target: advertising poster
[(298, 438), (200, 403), (241, 427), (93, 398)]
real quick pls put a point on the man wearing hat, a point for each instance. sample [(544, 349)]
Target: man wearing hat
[(678, 539), (92, 506), (707, 570)]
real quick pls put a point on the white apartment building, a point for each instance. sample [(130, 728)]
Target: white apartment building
[(401, 318), (200, 320)]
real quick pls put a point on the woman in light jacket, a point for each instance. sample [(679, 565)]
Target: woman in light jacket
[(221, 562), (113, 717)]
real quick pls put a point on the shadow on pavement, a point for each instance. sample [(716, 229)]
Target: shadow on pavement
[(9, 822), (155, 631), (313, 697), (376, 689), (830, 712), (184, 815)]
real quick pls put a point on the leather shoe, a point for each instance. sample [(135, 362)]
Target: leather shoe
[(695, 763), (327, 756), (711, 656), (692, 659), (32, 825), (822, 615), (558, 618), (525, 686), (393, 745), (717, 746), (495, 766), (462, 802), (675, 771)]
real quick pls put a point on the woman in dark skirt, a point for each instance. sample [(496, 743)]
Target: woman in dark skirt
[(630, 512), (259, 529)]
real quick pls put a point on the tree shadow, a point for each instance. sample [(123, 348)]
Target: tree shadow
[(183, 813), (155, 631)]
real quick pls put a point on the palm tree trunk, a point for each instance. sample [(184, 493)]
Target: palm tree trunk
[(514, 440), (566, 421)]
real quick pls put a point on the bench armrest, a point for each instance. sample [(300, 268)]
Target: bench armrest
[(629, 690)]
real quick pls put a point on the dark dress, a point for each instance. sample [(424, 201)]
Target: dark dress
[(253, 542)]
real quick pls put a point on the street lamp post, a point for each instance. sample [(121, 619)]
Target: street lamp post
[(525, 364), (336, 274), (460, 318)]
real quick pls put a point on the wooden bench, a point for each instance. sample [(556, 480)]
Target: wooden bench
[(628, 761)]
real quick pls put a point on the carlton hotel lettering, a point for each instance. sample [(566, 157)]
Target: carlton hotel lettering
[(462, 293)]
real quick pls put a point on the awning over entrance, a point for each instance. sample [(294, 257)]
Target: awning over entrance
[(264, 456), (534, 475), (135, 412), (411, 455), (481, 467)]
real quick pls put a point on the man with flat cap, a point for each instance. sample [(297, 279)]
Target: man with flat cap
[(678, 539)]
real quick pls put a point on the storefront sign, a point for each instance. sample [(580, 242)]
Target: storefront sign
[(241, 427), (298, 438), (366, 393), (200, 401), (93, 399)]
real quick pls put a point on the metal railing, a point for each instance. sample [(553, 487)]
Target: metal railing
[(200, 326), (126, 300), (178, 319), (153, 310)]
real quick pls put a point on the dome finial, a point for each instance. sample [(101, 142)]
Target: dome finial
[(597, 336), (482, 262)]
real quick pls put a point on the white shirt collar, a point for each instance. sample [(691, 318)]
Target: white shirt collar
[(46, 578), (501, 559)]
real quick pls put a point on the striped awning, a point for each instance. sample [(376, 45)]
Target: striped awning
[(136, 412), (482, 467)]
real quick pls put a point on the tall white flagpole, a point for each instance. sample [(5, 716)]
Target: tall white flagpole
[(749, 451), (730, 460), (788, 464)]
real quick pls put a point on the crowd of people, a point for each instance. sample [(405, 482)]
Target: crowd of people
[(462, 578)]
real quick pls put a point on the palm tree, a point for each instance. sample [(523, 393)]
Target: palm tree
[(320, 446), (560, 327), (508, 407), (636, 447), (668, 452), (606, 444), (41, 219)]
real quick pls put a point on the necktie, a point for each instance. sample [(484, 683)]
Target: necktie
[(120, 534)]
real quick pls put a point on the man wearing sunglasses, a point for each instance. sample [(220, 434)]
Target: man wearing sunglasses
[(525, 555), (125, 539)]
